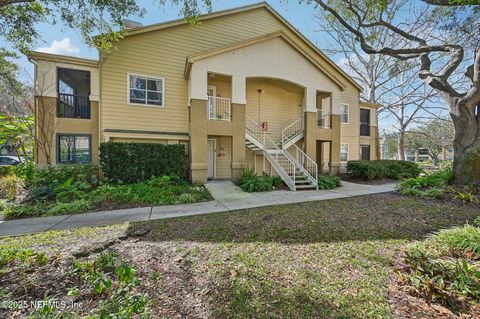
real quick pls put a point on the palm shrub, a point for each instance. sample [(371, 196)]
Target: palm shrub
[(251, 182), (429, 185), (328, 182)]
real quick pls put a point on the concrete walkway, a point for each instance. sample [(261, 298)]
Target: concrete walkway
[(227, 197)]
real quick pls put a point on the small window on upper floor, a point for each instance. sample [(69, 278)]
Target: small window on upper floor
[(344, 113), (146, 90)]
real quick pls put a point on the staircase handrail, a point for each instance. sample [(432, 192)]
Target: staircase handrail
[(295, 128), (252, 127), (308, 165)]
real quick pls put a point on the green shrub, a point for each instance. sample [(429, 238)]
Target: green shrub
[(61, 183), (61, 173), (25, 170), (76, 206), (135, 162), (277, 181), (10, 186), (328, 182), (5, 170), (435, 179), (382, 169), (16, 211), (251, 182), (155, 191)]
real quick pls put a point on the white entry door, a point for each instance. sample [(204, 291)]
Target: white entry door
[(211, 159)]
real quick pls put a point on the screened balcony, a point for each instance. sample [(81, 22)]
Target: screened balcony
[(73, 94)]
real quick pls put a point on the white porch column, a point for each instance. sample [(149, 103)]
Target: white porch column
[(310, 100), (239, 87), (198, 83), (336, 103)]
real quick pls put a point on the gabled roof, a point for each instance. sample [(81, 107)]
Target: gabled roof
[(173, 23), (370, 105), (241, 44), (42, 56)]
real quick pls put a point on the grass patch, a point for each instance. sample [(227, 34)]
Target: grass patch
[(328, 259)]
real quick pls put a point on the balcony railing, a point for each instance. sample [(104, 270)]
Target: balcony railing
[(323, 119), (364, 129), (219, 108), (73, 106)]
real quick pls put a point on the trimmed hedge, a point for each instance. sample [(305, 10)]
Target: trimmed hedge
[(135, 162), (382, 169)]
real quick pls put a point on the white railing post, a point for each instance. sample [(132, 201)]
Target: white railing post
[(219, 108)]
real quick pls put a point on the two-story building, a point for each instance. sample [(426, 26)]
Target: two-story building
[(242, 88)]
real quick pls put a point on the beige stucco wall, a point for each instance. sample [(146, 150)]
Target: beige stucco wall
[(46, 78), (274, 58)]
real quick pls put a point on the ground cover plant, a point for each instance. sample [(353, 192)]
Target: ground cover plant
[(287, 261), (444, 268), (70, 189), (383, 169), (436, 184)]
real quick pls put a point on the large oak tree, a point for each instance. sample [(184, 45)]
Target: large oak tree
[(449, 55)]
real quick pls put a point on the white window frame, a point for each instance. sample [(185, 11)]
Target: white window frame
[(348, 151), (146, 76), (348, 113)]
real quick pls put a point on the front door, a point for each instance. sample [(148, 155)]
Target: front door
[(211, 159), (365, 152)]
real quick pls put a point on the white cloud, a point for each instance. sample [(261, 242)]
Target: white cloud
[(64, 47)]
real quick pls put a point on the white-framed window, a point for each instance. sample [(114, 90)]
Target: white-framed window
[(343, 152), (146, 90), (344, 113)]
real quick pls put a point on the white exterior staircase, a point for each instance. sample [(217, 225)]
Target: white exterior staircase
[(296, 169)]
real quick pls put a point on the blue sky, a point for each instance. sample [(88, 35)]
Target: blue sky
[(56, 39)]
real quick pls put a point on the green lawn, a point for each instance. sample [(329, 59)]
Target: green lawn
[(329, 259)]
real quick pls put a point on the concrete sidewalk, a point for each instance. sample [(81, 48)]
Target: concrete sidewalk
[(227, 197)]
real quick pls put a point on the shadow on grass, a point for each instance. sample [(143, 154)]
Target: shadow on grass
[(363, 218)]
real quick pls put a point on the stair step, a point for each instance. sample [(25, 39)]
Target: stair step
[(306, 187), (302, 182)]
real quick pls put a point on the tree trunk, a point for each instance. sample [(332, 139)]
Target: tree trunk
[(378, 151), (401, 145), (466, 144)]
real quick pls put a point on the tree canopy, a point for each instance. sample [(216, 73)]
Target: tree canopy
[(449, 57)]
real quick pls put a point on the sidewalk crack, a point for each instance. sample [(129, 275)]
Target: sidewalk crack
[(48, 229), (150, 215)]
